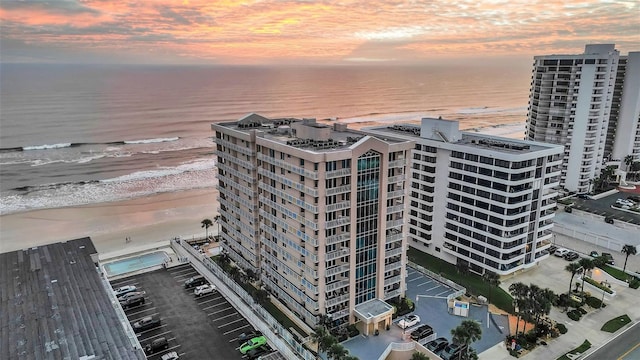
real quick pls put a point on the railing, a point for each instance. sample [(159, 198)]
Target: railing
[(337, 173), (277, 335), (439, 278), (406, 346)]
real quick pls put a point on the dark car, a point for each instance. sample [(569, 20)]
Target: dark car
[(435, 346), (146, 323), (451, 351), (195, 281), (133, 300), (571, 256), (584, 196), (255, 353), (154, 346), (608, 258), (594, 254), (552, 249), (422, 332), (635, 198), (244, 337), (608, 220)]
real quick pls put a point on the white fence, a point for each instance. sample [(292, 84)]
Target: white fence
[(278, 336)]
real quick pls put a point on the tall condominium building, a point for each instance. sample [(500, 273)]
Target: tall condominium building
[(479, 201), (590, 103), (317, 212)]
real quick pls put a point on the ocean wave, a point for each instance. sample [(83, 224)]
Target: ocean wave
[(489, 110), (46, 147), (196, 174), (151, 141)]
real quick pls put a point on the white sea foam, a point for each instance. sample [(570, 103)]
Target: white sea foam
[(151, 141), (490, 110), (45, 147)]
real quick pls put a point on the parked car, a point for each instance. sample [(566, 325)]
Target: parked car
[(257, 352), (146, 323), (130, 295), (561, 252), (422, 332), (608, 220), (409, 321), (571, 256), (204, 290), (125, 290), (435, 346), (154, 346), (635, 198), (608, 258), (451, 351), (594, 254), (552, 249), (584, 196), (170, 356), (195, 281), (252, 344), (244, 337), (130, 301)]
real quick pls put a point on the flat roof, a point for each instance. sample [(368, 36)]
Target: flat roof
[(55, 306), (373, 308)]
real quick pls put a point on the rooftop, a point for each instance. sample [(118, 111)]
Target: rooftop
[(55, 305), (372, 308)]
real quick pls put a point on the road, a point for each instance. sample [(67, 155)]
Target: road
[(624, 347)]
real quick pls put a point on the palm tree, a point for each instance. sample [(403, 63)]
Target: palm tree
[(492, 279), (419, 356), (519, 292), (323, 338), (466, 333), (206, 224), (542, 301), (628, 250), (628, 160), (586, 265), (573, 268), (337, 352)]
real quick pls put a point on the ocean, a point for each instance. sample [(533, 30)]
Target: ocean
[(87, 134)]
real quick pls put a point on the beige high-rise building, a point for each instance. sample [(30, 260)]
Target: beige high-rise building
[(318, 213)]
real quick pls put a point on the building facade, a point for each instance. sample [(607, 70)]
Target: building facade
[(590, 104), (315, 211), (483, 202)]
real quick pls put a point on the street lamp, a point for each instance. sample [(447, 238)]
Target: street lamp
[(606, 283)]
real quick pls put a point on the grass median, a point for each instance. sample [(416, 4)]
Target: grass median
[(472, 282), (579, 350), (615, 324)]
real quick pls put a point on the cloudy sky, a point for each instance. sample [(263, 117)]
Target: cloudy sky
[(307, 31)]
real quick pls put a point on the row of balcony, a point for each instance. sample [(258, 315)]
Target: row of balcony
[(242, 175), (288, 166), (228, 157), (284, 195), (232, 146), (288, 182)]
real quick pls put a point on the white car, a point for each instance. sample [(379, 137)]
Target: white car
[(561, 252), (170, 356), (409, 321), (125, 290), (204, 290)]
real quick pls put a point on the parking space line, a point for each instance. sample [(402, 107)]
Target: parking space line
[(234, 330), (141, 311), (189, 268), (138, 319), (435, 287), (444, 292), (414, 279), (229, 323), (164, 351), (189, 274), (210, 300), (155, 336), (226, 316), (219, 311), (216, 305), (426, 282), (146, 331), (124, 282)]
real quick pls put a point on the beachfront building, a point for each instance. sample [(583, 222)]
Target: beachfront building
[(479, 201), (318, 213), (590, 103)]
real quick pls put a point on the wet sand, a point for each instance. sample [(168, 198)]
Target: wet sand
[(145, 221)]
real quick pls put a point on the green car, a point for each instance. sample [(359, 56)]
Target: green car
[(254, 343)]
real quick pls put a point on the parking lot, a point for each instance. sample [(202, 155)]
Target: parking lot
[(603, 207), (196, 327)]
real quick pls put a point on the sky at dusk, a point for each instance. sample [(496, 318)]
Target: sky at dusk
[(308, 32)]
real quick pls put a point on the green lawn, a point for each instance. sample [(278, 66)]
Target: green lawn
[(618, 274), (580, 349), (472, 282), (275, 312), (616, 323)]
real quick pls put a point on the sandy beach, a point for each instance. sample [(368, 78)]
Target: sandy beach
[(148, 220), (145, 221)]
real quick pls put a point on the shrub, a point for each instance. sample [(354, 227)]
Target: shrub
[(583, 311), (574, 315), (635, 283), (531, 336), (353, 330), (594, 302), (561, 328)]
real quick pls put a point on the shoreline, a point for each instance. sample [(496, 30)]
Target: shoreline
[(145, 220)]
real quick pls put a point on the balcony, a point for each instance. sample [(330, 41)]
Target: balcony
[(338, 190), (336, 239), (394, 237), (396, 179), (395, 193), (397, 163), (337, 300), (337, 270), (393, 252), (392, 280), (338, 173), (338, 222), (394, 223), (393, 266), (392, 294), (339, 206), (336, 285), (337, 254)]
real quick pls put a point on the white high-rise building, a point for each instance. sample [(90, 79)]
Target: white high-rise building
[(479, 201), (318, 213), (590, 103)]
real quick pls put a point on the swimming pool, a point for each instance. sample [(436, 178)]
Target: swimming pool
[(135, 263)]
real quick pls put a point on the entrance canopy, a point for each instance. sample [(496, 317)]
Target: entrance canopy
[(375, 312)]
